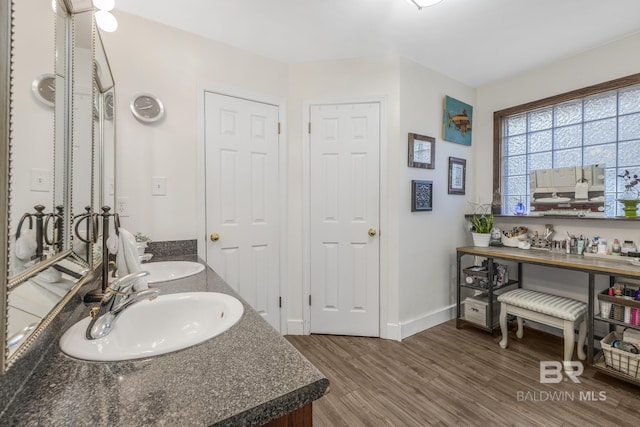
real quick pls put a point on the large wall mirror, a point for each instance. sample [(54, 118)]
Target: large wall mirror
[(55, 142)]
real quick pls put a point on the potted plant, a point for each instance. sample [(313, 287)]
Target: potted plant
[(481, 229), (631, 196), (142, 241)]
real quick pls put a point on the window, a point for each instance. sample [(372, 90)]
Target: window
[(595, 125)]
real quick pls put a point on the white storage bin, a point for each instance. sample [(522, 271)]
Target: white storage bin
[(475, 310)]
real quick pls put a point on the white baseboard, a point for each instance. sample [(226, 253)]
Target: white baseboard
[(295, 327), (426, 321), (396, 331), (393, 332)]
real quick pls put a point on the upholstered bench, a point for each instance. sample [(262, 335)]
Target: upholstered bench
[(553, 310)]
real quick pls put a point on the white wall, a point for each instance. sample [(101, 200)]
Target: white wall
[(418, 254), (602, 64), (148, 57), (346, 80), (426, 255)]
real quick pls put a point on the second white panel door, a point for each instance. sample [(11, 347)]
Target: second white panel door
[(344, 218)]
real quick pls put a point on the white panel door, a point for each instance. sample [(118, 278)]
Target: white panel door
[(344, 216), (242, 199)]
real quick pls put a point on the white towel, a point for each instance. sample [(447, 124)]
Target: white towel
[(26, 245), (50, 275), (127, 259)]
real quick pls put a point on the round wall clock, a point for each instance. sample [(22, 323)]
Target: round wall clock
[(146, 107), (44, 88)]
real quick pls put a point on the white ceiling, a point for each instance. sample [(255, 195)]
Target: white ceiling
[(473, 41)]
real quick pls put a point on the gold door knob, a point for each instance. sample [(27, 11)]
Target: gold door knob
[(372, 232), (214, 237)]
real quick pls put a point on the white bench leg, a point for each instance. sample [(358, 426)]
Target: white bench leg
[(520, 332), (582, 337), (569, 342), (503, 325)]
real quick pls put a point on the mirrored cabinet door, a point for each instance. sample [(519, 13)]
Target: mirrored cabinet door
[(33, 134), (60, 109)]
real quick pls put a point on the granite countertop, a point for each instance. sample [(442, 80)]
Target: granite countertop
[(248, 375)]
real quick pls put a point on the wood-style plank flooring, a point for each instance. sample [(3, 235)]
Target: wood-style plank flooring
[(447, 376)]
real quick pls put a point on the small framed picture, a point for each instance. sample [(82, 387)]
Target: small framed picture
[(422, 151), (457, 175), (421, 196)]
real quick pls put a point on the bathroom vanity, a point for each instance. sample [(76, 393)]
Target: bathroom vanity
[(249, 375)]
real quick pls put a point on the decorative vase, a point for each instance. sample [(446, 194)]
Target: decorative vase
[(630, 207), (142, 246), (481, 239)]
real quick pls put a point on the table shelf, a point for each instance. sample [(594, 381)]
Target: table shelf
[(616, 322), (601, 366), (592, 266)]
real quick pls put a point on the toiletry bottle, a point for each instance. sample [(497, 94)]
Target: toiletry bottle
[(602, 247), (615, 248)]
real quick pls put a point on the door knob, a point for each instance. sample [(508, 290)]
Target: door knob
[(372, 232), (214, 237)]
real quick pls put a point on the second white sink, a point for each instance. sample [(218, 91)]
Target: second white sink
[(171, 270), (149, 328)]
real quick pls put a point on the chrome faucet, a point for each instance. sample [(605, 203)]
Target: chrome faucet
[(117, 298)]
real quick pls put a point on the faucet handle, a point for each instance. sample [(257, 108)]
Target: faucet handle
[(122, 285)]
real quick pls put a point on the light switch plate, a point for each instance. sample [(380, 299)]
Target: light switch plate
[(40, 180), (158, 186)]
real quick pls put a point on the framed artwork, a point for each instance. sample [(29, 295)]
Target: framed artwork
[(456, 126), (421, 196), (457, 175), (422, 151)]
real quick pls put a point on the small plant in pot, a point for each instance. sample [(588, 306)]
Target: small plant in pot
[(481, 229), (142, 242)]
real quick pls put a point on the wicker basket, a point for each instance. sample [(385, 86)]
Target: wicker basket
[(620, 360)]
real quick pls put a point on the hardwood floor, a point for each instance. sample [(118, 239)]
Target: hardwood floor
[(447, 376)]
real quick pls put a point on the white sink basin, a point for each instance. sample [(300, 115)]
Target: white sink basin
[(149, 328), (171, 270), (553, 200)]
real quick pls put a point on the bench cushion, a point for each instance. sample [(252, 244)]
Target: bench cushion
[(540, 302)]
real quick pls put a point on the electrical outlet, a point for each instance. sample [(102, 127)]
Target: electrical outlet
[(122, 206), (158, 186)]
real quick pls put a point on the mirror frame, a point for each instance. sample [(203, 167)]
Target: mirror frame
[(5, 88), (71, 7)]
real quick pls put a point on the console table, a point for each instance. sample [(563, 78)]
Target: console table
[(592, 265)]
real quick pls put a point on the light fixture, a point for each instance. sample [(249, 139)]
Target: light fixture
[(106, 21), (421, 4), (104, 18), (107, 5)]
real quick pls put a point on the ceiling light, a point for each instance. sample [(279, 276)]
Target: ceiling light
[(107, 5), (106, 21), (421, 4)]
